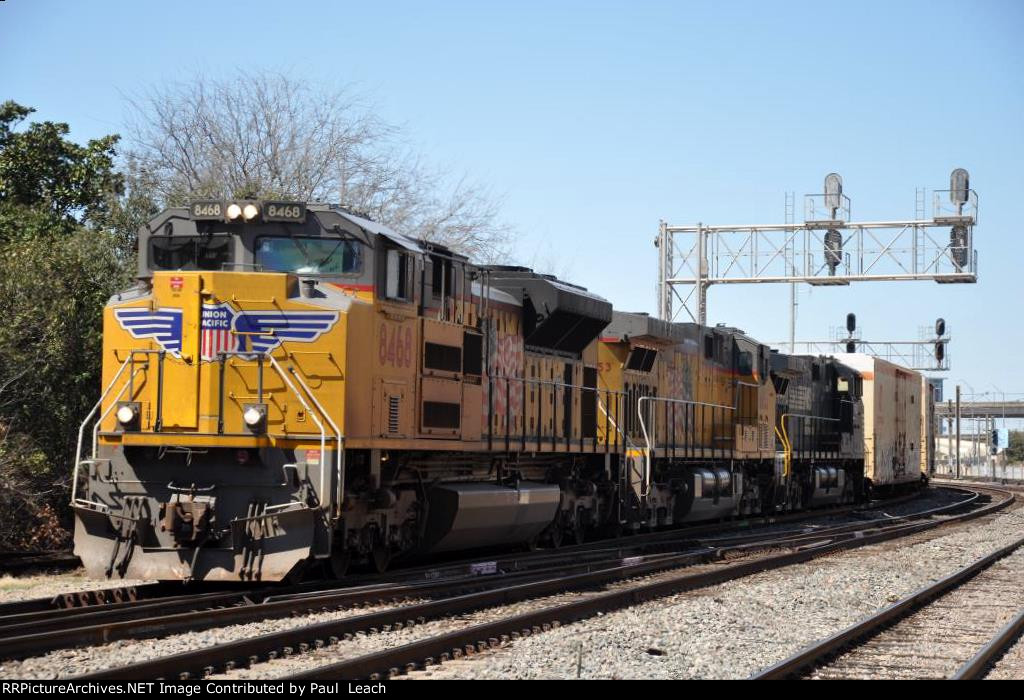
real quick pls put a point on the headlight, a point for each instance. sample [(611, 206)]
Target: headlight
[(255, 416), (128, 415), (250, 212), (234, 211), (125, 414)]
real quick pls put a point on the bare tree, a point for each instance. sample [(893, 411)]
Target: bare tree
[(276, 136)]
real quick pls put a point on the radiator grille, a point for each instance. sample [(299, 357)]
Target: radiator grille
[(394, 404)]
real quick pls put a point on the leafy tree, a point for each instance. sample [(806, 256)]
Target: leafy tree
[(1015, 451), (275, 136), (51, 300), (56, 275), (48, 184)]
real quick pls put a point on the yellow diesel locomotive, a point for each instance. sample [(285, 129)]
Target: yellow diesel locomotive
[(296, 388)]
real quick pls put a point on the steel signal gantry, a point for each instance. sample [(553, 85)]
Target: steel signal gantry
[(826, 249)]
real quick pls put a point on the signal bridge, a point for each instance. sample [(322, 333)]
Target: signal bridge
[(826, 249), (927, 354), (913, 354)]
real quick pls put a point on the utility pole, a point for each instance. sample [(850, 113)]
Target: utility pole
[(790, 214), (957, 431), (949, 437)]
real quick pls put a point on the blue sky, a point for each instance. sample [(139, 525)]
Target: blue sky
[(597, 119)]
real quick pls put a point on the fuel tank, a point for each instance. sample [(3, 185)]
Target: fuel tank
[(467, 516), (709, 494), (828, 486)]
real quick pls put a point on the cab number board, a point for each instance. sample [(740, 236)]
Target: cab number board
[(206, 210), (289, 212)]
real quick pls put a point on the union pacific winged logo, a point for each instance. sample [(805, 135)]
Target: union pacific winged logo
[(225, 330)]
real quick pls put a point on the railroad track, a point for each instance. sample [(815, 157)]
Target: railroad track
[(479, 565), (954, 628), (500, 562), (712, 565), (998, 654)]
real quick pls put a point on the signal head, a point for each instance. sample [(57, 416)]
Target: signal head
[(959, 186)]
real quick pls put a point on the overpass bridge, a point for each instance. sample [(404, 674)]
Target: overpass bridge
[(981, 409)]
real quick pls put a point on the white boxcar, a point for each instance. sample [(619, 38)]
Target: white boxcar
[(892, 420)]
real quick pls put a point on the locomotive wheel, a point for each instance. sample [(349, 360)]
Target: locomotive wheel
[(579, 533), (339, 563), (381, 559), (555, 536), (579, 528)]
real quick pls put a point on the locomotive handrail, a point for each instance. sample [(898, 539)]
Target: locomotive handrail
[(323, 433), (627, 442), (113, 404), (81, 428), (494, 380), (787, 445), (312, 414), (646, 483), (334, 426), (614, 424)]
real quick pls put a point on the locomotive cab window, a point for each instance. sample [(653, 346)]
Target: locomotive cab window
[(189, 252), (398, 275), (309, 255), (442, 277), (641, 359), (745, 364)]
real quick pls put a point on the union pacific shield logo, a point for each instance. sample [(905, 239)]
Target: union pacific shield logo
[(215, 332), (225, 330)]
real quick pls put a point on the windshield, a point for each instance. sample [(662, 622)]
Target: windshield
[(310, 256), (189, 252)]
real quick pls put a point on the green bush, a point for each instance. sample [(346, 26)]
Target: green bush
[(52, 294)]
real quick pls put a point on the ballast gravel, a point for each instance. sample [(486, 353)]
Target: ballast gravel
[(1010, 667), (735, 629), (65, 663), (714, 632), (16, 588)]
